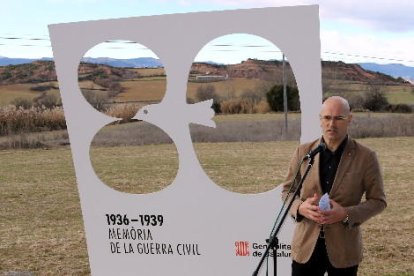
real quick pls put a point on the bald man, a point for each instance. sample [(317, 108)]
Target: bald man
[(330, 240)]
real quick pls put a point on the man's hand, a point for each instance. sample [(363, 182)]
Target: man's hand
[(336, 214), (310, 209)]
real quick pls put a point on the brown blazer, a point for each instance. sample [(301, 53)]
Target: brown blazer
[(358, 173)]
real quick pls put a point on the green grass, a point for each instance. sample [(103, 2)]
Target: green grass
[(395, 94), (41, 227), (401, 96)]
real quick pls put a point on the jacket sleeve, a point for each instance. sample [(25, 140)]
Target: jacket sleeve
[(375, 201), (289, 185)]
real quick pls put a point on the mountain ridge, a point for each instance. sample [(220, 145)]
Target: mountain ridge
[(392, 69), (44, 70), (395, 70)]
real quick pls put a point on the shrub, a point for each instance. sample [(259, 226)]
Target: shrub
[(48, 101), (22, 103), (98, 99), (275, 98), (5, 75), (216, 106), (243, 106), (375, 100), (124, 111), (42, 88), (229, 107), (262, 107), (18, 120), (250, 95), (207, 92), (401, 108), (356, 102)]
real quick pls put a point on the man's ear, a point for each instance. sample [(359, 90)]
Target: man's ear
[(350, 117)]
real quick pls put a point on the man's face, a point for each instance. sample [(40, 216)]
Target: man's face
[(335, 120)]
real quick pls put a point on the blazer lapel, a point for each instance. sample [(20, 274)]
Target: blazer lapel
[(314, 177), (344, 164)]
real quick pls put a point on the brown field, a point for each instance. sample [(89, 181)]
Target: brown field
[(152, 90), (228, 88), (41, 227), (10, 92), (143, 90), (147, 72), (89, 85)]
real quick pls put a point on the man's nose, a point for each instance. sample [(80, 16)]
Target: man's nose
[(332, 122)]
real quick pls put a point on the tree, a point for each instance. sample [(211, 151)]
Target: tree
[(209, 92), (275, 98), (375, 100)]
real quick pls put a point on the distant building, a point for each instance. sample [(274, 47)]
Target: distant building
[(210, 78)]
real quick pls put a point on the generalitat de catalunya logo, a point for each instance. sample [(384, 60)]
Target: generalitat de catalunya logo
[(255, 249)]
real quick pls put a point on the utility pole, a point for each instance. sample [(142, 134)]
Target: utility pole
[(285, 107)]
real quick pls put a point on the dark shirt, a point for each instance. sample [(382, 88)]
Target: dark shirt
[(328, 165)]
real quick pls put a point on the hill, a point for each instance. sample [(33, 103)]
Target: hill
[(142, 62), (395, 70), (272, 70), (129, 84), (42, 71), (35, 72), (4, 61)]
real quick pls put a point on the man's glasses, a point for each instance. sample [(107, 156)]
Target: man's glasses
[(328, 118)]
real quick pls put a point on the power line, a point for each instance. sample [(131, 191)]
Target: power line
[(334, 53), (371, 57)]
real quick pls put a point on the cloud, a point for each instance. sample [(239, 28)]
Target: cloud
[(351, 47), (386, 15)]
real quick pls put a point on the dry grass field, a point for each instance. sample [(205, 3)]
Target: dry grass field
[(146, 90), (395, 94), (153, 89), (41, 229), (8, 93)]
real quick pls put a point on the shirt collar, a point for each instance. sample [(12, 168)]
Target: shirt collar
[(341, 147)]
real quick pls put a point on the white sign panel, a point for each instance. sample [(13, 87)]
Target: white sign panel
[(192, 227)]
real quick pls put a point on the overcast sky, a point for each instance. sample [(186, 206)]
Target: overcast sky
[(379, 31)]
